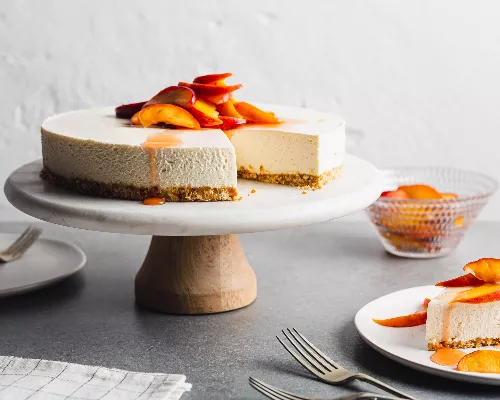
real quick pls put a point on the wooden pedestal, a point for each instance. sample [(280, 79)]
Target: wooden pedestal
[(195, 275)]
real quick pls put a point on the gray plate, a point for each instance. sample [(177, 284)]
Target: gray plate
[(46, 262)]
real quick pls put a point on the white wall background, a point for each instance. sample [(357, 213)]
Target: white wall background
[(419, 80)]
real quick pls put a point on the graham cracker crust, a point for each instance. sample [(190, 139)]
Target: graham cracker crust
[(478, 342), (129, 192), (298, 180)]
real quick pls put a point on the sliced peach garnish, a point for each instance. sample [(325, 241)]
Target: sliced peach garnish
[(255, 114), (396, 194), (229, 123), (219, 99), (212, 78), (481, 361), (405, 321), (449, 196), (205, 113), (462, 281), (482, 294), (128, 110), (178, 95), (486, 269), (421, 192), (447, 357), (210, 90), (166, 113), (426, 302), (227, 109)]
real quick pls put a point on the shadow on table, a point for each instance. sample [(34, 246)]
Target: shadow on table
[(386, 369), (49, 297)]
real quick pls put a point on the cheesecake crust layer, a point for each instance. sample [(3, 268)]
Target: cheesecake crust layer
[(298, 180), (478, 342), (129, 192)]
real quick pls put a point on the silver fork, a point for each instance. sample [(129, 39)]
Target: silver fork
[(278, 394), (21, 244), (324, 368)]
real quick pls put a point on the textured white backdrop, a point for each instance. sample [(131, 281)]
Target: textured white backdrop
[(418, 80)]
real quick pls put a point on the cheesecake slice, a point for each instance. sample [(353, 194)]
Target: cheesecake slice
[(94, 153), (456, 324), (306, 150)]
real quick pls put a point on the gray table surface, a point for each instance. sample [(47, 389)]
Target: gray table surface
[(313, 278)]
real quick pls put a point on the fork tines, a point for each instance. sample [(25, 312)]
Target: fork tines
[(317, 362), (273, 392)]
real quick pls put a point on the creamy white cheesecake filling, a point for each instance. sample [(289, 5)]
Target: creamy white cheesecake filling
[(461, 322), (94, 145)]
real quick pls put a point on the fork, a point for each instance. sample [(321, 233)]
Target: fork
[(324, 368), (278, 394), (19, 247)]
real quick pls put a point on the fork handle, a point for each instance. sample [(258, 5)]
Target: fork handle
[(384, 386)]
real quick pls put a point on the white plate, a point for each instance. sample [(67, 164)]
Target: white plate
[(407, 345), (46, 262)]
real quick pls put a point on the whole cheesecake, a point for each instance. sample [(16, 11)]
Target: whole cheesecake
[(92, 152)]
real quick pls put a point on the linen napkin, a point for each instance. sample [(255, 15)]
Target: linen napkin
[(23, 378)]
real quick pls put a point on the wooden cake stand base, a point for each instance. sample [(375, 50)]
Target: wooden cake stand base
[(195, 275)]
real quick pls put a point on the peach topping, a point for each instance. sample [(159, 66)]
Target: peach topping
[(209, 101)]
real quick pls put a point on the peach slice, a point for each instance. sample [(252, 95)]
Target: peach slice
[(212, 78), (227, 109), (178, 95), (210, 90), (482, 294), (421, 192), (449, 196), (405, 321), (447, 357), (220, 99), (205, 113), (462, 281), (396, 194), (128, 110), (166, 113), (254, 114), (481, 361), (229, 123), (486, 269), (426, 302)]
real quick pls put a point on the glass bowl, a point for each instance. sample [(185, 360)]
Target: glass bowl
[(429, 228)]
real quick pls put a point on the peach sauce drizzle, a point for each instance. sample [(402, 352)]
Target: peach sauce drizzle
[(447, 357), (152, 144)]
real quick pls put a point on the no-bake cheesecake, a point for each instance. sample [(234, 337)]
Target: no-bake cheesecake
[(190, 142), (466, 314)]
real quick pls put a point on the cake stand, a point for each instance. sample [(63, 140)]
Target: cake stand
[(195, 263)]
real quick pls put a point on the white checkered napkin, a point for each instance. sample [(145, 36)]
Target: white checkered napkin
[(22, 379)]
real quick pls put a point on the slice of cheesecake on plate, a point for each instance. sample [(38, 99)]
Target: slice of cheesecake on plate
[(466, 314)]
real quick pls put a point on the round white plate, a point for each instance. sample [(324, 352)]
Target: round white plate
[(407, 345), (271, 207), (46, 262)]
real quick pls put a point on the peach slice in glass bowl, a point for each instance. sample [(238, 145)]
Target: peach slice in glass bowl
[(429, 227)]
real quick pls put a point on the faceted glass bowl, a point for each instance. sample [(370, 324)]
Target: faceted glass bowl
[(429, 228)]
